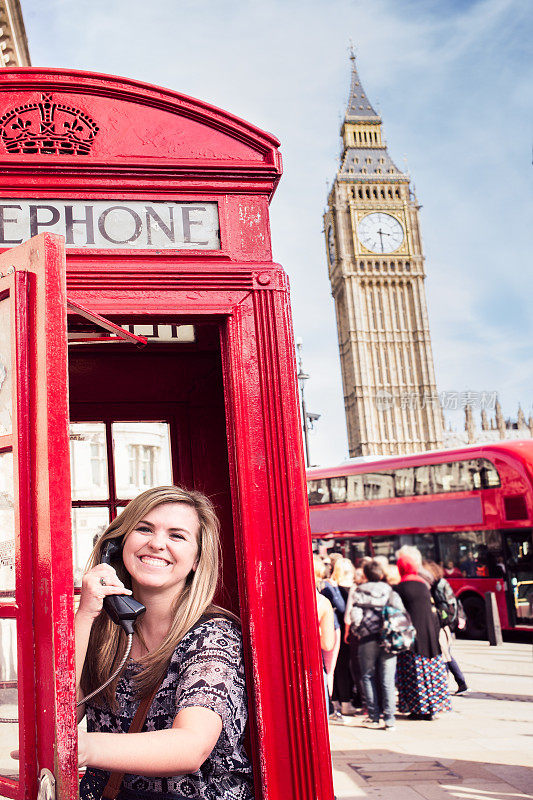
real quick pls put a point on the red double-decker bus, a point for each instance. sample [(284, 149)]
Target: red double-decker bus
[(471, 510)]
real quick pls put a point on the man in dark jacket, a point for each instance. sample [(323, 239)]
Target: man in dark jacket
[(364, 615)]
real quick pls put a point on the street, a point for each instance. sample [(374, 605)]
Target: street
[(481, 751)]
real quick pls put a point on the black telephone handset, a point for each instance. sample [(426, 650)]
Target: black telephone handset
[(122, 608)]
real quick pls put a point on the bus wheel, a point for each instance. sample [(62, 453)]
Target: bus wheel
[(476, 620)]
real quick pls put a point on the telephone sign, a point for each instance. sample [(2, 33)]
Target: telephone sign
[(112, 224)]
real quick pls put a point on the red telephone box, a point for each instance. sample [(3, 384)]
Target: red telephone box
[(139, 304)]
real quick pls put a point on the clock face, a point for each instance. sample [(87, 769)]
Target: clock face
[(331, 244), (380, 233)]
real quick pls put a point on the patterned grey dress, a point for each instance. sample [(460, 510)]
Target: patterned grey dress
[(206, 670)]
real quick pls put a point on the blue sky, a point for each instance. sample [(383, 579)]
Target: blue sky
[(453, 82)]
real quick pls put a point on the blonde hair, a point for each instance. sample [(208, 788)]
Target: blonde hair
[(107, 643), (319, 569), (343, 569), (392, 575)]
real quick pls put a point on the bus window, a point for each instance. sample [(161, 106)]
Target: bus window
[(425, 542), (520, 573), (476, 554), (446, 477), (385, 546), (488, 474), (424, 480), (466, 473), (357, 549), (378, 485), (404, 482), (355, 488), (318, 492), (338, 490)]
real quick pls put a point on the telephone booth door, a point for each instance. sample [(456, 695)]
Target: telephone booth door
[(37, 680)]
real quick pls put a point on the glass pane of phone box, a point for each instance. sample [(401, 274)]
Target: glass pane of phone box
[(142, 457), (88, 524), (9, 731), (7, 529), (88, 461)]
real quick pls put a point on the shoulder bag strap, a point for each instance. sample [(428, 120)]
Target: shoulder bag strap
[(114, 783)]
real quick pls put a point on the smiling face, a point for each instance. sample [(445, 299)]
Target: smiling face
[(162, 549)]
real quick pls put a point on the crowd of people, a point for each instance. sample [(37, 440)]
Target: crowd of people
[(386, 635)]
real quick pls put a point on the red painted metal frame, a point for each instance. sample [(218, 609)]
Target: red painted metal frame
[(44, 484), (155, 144), (120, 334), (15, 287)]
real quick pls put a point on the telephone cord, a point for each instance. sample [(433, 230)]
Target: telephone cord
[(113, 676), (100, 688)]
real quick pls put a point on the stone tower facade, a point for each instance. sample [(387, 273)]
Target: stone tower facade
[(376, 269), (13, 42)]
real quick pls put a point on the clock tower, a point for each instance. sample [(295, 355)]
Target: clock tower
[(376, 269)]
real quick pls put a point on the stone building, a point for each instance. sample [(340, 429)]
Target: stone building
[(376, 269), (14, 50), (495, 429)]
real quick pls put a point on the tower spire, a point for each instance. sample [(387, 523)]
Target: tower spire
[(359, 108), (364, 150)]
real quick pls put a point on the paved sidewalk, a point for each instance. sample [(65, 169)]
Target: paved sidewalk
[(483, 750)]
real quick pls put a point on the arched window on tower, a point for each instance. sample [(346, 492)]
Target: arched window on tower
[(396, 309), (381, 320), (367, 193), (375, 193), (360, 193)]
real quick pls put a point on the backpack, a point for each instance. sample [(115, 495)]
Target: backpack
[(446, 604), (397, 632)]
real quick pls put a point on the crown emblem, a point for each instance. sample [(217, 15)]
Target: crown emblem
[(48, 128)]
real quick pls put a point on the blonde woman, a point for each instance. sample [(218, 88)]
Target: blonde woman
[(336, 589), (191, 745)]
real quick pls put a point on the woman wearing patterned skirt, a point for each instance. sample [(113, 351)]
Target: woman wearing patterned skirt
[(421, 673)]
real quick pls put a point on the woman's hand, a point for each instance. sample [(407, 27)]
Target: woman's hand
[(101, 581)]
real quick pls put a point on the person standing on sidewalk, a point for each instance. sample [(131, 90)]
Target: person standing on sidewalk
[(330, 589), (343, 684), (365, 617), (448, 614), (421, 674)]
